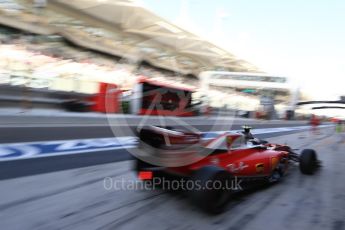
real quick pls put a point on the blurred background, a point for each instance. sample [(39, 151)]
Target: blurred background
[(77, 77), (65, 55)]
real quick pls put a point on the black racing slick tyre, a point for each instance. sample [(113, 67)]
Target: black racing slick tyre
[(140, 165), (211, 191), (308, 161)]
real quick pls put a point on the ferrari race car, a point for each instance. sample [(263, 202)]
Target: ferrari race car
[(213, 167)]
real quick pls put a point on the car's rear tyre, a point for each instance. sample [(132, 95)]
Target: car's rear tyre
[(308, 161), (140, 165), (211, 189)]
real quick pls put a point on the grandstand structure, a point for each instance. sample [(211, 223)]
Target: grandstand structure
[(259, 84), (264, 92), (121, 28), (66, 45)]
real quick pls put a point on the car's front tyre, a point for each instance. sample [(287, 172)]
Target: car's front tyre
[(308, 162)]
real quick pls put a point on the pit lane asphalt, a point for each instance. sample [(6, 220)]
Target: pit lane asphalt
[(76, 199)]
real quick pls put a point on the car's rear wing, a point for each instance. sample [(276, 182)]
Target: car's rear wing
[(165, 136)]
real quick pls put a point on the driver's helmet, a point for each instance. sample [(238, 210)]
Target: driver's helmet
[(246, 128)]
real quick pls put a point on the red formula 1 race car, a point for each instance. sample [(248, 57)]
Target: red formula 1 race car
[(214, 168)]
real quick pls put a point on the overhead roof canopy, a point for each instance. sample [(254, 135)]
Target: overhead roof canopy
[(124, 28), (151, 33)]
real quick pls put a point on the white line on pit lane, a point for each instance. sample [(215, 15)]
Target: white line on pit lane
[(275, 130), (25, 150)]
